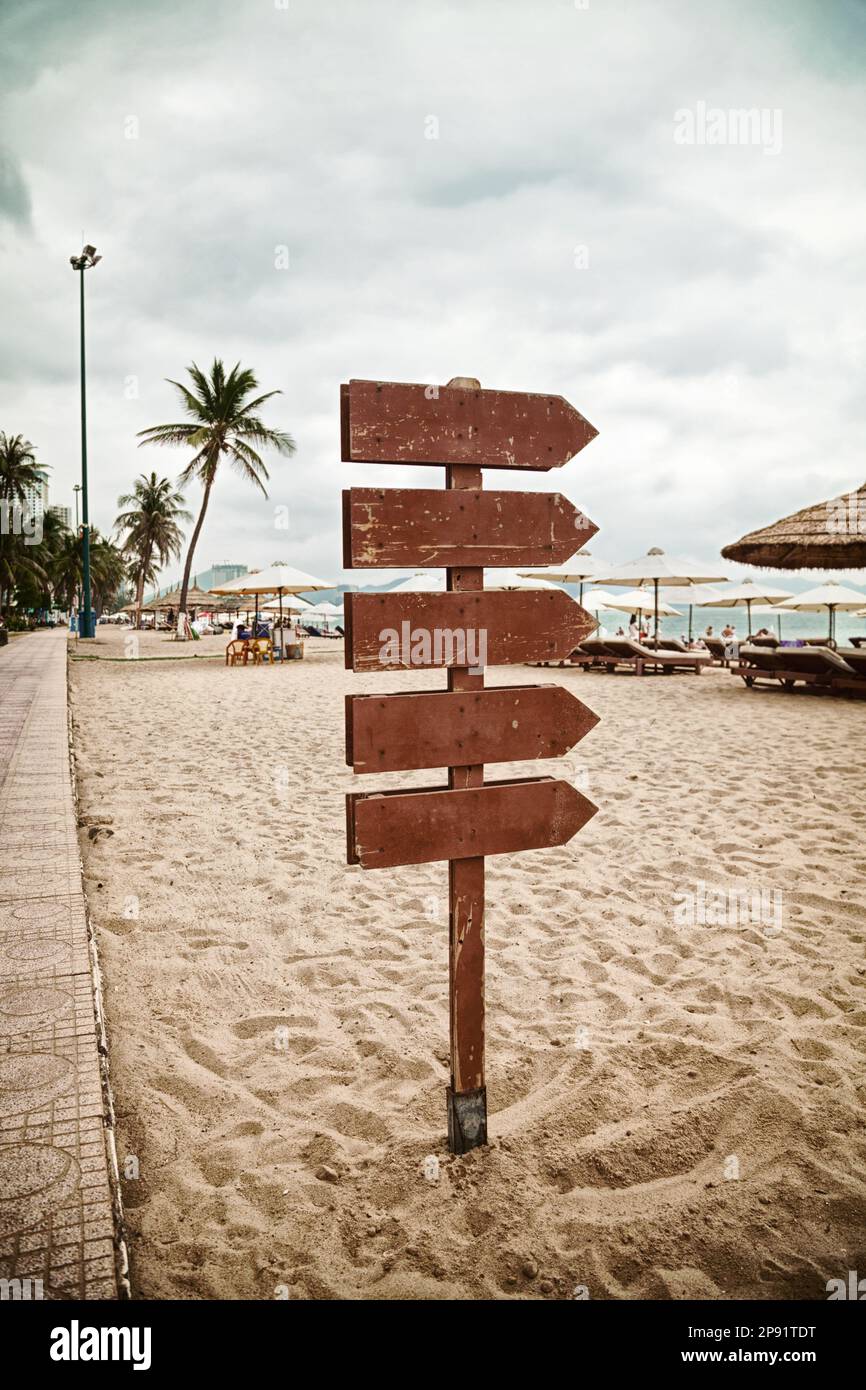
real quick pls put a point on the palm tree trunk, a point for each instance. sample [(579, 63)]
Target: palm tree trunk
[(187, 569), (139, 597), (139, 592)]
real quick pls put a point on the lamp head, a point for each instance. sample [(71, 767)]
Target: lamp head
[(86, 260)]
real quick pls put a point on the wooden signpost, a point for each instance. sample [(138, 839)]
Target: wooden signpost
[(463, 630)]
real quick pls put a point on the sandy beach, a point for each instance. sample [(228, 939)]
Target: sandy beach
[(674, 1104)]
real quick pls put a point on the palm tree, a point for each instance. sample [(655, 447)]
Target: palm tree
[(19, 472), (107, 572), (18, 467), (35, 565), (107, 569), (153, 535), (223, 421)]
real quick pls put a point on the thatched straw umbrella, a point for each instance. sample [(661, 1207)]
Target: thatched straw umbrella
[(829, 535), (195, 598)]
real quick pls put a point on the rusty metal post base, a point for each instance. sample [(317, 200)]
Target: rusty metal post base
[(467, 1119)]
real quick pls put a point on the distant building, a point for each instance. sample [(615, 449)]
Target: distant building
[(63, 514), (36, 498), (216, 575), (220, 574)]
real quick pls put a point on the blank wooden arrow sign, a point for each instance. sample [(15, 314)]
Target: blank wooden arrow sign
[(399, 422), (464, 629), (395, 733), (391, 828), (393, 631), (396, 527)]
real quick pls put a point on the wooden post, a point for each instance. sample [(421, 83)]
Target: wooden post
[(467, 1094)]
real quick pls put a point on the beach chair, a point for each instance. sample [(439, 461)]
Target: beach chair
[(858, 641), (668, 644), (237, 652), (645, 660), (856, 659), (592, 655), (718, 649), (261, 650), (817, 667)]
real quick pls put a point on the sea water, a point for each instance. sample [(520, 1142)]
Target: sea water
[(794, 625)]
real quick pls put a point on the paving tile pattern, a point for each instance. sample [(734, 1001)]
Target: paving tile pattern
[(56, 1215)]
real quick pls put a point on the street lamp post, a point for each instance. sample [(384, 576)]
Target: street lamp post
[(76, 488), (86, 625)]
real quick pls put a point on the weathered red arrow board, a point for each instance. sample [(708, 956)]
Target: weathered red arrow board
[(396, 733), (398, 422), (391, 828), (393, 631), (397, 527), (464, 630)]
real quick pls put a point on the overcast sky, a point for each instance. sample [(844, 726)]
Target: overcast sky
[(702, 304)]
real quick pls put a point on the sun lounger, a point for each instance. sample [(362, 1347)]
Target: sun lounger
[(718, 647), (856, 659), (668, 644), (645, 660), (817, 667), (858, 641)]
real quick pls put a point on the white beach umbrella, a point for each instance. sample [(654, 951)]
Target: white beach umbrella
[(660, 570), (595, 599), (744, 595), (577, 570), (643, 601), (423, 582), (510, 579), (291, 603), (434, 582), (694, 595), (326, 609), (770, 610), (277, 579), (829, 595)]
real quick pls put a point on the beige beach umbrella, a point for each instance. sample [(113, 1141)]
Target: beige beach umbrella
[(595, 601), (433, 582), (751, 591), (694, 594), (289, 603), (770, 610), (577, 570), (661, 570), (643, 601), (277, 579), (510, 579), (830, 595), (422, 582), (826, 536)]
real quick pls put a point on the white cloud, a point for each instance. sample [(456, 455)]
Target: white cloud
[(714, 337)]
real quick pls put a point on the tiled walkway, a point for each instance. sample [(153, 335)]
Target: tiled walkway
[(56, 1222)]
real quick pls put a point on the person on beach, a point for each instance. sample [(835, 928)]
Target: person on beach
[(633, 628), (729, 637), (709, 631)]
